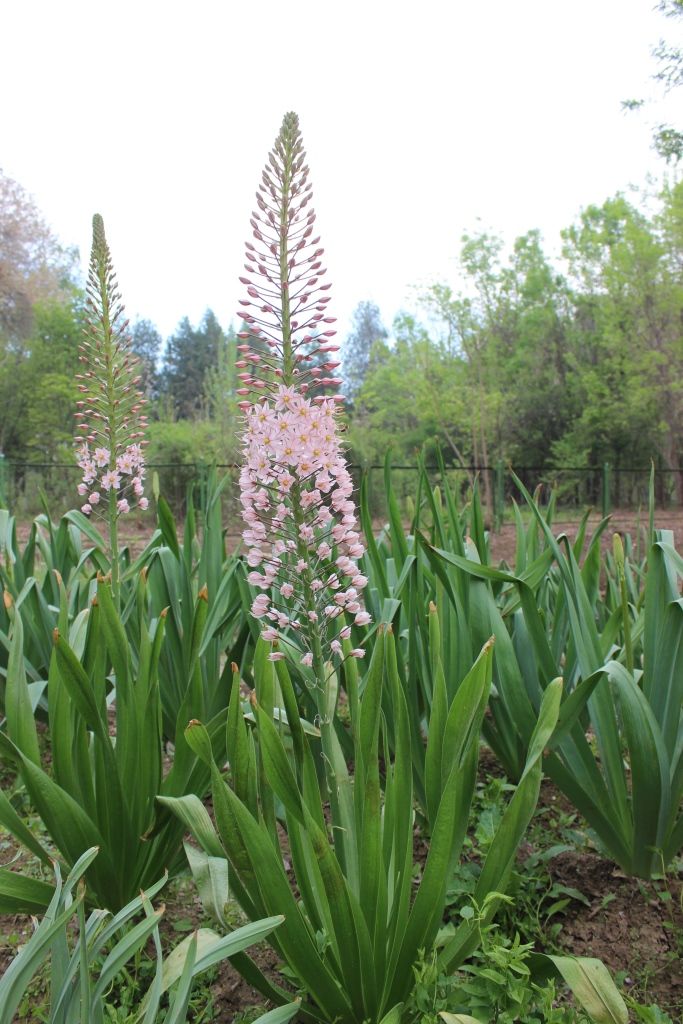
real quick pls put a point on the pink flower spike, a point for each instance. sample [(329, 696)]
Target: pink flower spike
[(296, 493)]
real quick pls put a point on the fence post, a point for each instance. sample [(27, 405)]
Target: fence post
[(499, 495), (3, 480), (606, 502)]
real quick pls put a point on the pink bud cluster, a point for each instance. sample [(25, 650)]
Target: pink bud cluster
[(301, 523), (288, 335), (125, 480)]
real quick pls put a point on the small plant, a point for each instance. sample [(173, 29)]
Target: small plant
[(85, 966)]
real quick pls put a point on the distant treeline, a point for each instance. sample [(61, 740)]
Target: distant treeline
[(524, 360)]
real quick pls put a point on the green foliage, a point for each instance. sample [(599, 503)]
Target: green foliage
[(354, 934), (200, 590), (85, 971), (496, 985), (525, 365), (101, 789)]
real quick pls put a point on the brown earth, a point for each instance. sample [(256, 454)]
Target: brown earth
[(136, 530), (634, 927), (621, 521)]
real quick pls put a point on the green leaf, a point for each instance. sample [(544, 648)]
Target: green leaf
[(195, 817), (281, 1014), (210, 875), (10, 820), (21, 726), (459, 1018), (591, 983), (21, 895)]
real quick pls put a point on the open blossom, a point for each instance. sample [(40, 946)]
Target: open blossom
[(110, 412), (95, 471), (301, 534)]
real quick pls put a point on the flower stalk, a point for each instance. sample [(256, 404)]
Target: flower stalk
[(296, 491), (110, 413)]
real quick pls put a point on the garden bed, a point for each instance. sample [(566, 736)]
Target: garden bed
[(634, 927)]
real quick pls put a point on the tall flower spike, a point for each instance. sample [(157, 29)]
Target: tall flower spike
[(110, 416), (295, 486)]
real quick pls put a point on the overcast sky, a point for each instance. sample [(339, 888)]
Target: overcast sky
[(418, 118)]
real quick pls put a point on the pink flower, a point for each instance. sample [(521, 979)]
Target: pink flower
[(94, 498), (143, 503), (122, 506), (260, 605), (307, 659), (124, 463), (86, 509), (110, 479)]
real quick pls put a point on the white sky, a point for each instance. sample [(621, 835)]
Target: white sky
[(418, 118)]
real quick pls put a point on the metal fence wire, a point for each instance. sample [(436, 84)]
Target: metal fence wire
[(25, 486)]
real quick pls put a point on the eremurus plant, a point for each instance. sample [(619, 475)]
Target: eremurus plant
[(355, 923)]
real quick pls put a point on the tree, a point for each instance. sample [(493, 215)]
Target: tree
[(190, 354), (145, 343), (367, 330), (412, 396), (220, 390), (37, 385), (667, 139), (626, 346), (34, 267)]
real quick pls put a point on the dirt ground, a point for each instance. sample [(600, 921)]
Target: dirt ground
[(621, 521), (135, 530)]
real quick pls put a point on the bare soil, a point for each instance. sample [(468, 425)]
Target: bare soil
[(135, 530), (631, 925), (621, 521)]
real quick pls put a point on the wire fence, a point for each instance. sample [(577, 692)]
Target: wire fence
[(26, 486)]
